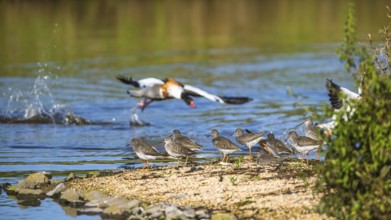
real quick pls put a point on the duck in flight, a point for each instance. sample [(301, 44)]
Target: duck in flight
[(153, 89), (339, 99), (335, 91)]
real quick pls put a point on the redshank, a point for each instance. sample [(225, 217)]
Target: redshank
[(303, 144), (145, 151), (248, 139), (223, 144), (176, 150)]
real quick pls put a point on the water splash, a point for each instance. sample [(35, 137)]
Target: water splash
[(135, 119), (38, 106)]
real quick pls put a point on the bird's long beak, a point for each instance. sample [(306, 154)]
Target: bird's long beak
[(299, 124), (286, 139), (142, 104), (248, 131)]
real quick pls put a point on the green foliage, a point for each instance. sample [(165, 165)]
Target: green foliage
[(355, 182), (233, 180), (238, 162), (348, 51), (241, 203)]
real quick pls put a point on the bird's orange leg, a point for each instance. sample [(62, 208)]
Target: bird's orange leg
[(317, 153), (225, 156), (147, 166), (251, 155)]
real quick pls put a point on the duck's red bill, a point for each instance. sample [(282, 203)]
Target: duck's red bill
[(192, 104), (141, 103)]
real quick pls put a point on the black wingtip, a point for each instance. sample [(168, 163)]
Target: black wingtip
[(127, 80), (330, 85), (235, 100), (334, 98), (335, 102)]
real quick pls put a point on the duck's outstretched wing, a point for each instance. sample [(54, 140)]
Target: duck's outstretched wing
[(142, 83), (335, 92), (235, 100), (128, 80), (194, 91)]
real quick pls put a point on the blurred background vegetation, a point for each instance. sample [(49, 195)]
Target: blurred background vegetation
[(355, 182), (33, 31)]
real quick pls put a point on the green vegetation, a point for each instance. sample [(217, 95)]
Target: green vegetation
[(299, 170), (247, 201), (355, 182), (238, 162), (233, 180), (348, 51)]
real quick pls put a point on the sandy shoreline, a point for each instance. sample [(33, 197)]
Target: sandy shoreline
[(274, 189)]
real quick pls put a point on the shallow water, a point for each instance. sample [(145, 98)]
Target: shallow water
[(62, 110), (102, 143)]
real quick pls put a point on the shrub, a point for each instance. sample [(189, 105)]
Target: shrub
[(355, 182)]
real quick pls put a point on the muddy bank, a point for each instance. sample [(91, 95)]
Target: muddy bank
[(241, 189), (273, 189)]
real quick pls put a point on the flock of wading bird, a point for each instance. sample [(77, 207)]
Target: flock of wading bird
[(180, 146)]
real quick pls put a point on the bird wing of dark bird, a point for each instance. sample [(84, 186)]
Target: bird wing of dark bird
[(224, 143), (279, 145), (249, 136), (187, 142), (150, 150), (147, 148), (306, 141), (181, 150)]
